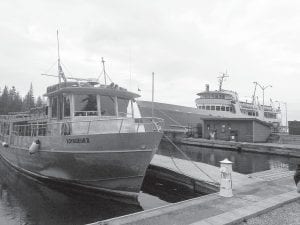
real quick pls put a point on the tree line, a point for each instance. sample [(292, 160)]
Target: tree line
[(12, 101)]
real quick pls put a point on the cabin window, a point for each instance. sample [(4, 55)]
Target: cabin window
[(207, 107), (203, 107), (227, 109), (85, 105), (107, 105), (54, 107), (218, 108), (213, 107), (223, 128), (67, 109), (222, 108), (124, 108), (230, 109)]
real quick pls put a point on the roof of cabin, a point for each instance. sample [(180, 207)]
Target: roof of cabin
[(86, 88), (225, 92)]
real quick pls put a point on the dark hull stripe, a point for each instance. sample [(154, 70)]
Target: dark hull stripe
[(91, 152)]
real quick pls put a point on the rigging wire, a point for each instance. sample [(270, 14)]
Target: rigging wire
[(51, 66), (70, 74), (186, 156)]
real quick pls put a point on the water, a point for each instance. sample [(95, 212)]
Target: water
[(243, 162), (25, 201)]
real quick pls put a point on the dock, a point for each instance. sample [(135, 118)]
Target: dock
[(266, 148), (254, 194)]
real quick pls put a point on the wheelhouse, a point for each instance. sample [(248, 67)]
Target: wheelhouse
[(77, 100)]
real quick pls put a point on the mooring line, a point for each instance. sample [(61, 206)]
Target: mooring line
[(186, 156)]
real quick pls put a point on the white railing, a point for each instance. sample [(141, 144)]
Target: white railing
[(96, 126)]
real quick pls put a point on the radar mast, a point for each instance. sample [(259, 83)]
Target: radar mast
[(221, 80)]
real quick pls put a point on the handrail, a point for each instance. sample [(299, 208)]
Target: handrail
[(43, 128)]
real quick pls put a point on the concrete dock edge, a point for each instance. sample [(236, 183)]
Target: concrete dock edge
[(241, 214)]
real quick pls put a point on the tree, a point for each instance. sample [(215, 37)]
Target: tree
[(4, 101), (28, 102), (39, 102)]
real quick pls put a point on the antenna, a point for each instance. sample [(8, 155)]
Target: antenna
[(152, 106), (61, 73), (253, 96), (221, 79), (58, 58), (103, 72)]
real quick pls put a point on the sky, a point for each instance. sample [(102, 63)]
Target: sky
[(187, 44)]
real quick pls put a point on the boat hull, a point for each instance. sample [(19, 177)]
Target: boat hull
[(114, 163)]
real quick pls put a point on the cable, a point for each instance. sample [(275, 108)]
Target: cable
[(51, 66), (214, 181)]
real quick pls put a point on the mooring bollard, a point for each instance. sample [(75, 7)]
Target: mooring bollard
[(226, 178)]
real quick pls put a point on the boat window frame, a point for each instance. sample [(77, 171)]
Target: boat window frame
[(70, 105), (52, 109), (77, 113)]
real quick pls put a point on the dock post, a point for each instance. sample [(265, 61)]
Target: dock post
[(226, 178)]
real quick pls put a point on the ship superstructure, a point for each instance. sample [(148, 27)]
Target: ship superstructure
[(226, 103)]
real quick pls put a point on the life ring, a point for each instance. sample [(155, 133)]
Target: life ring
[(65, 129)]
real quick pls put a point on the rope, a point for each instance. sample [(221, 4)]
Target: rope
[(70, 74), (51, 66), (172, 158), (214, 181)]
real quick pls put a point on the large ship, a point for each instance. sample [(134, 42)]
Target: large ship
[(218, 103), (90, 135), (225, 103)]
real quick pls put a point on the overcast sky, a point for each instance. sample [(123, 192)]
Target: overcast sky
[(186, 43)]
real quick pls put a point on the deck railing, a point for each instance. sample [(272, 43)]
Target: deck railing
[(96, 126)]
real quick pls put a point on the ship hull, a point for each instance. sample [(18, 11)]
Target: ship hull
[(114, 163)]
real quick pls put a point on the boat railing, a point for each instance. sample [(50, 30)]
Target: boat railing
[(95, 126)]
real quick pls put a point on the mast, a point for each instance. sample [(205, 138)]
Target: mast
[(60, 70), (152, 106), (221, 79), (104, 72), (253, 96)]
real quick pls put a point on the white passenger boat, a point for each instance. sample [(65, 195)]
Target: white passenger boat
[(90, 135)]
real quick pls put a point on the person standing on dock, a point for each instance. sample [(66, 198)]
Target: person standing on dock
[(297, 178)]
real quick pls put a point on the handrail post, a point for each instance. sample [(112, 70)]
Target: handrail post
[(121, 125), (88, 131), (137, 130)]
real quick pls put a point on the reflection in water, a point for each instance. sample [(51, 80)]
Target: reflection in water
[(24, 201), (243, 162)]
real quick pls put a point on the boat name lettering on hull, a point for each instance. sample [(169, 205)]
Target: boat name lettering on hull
[(77, 140)]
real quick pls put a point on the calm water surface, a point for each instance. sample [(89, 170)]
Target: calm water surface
[(243, 162), (25, 201)]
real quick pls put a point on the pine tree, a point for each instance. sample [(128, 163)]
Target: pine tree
[(4, 101), (28, 102), (39, 102)]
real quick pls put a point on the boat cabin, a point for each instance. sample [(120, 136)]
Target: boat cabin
[(73, 100)]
